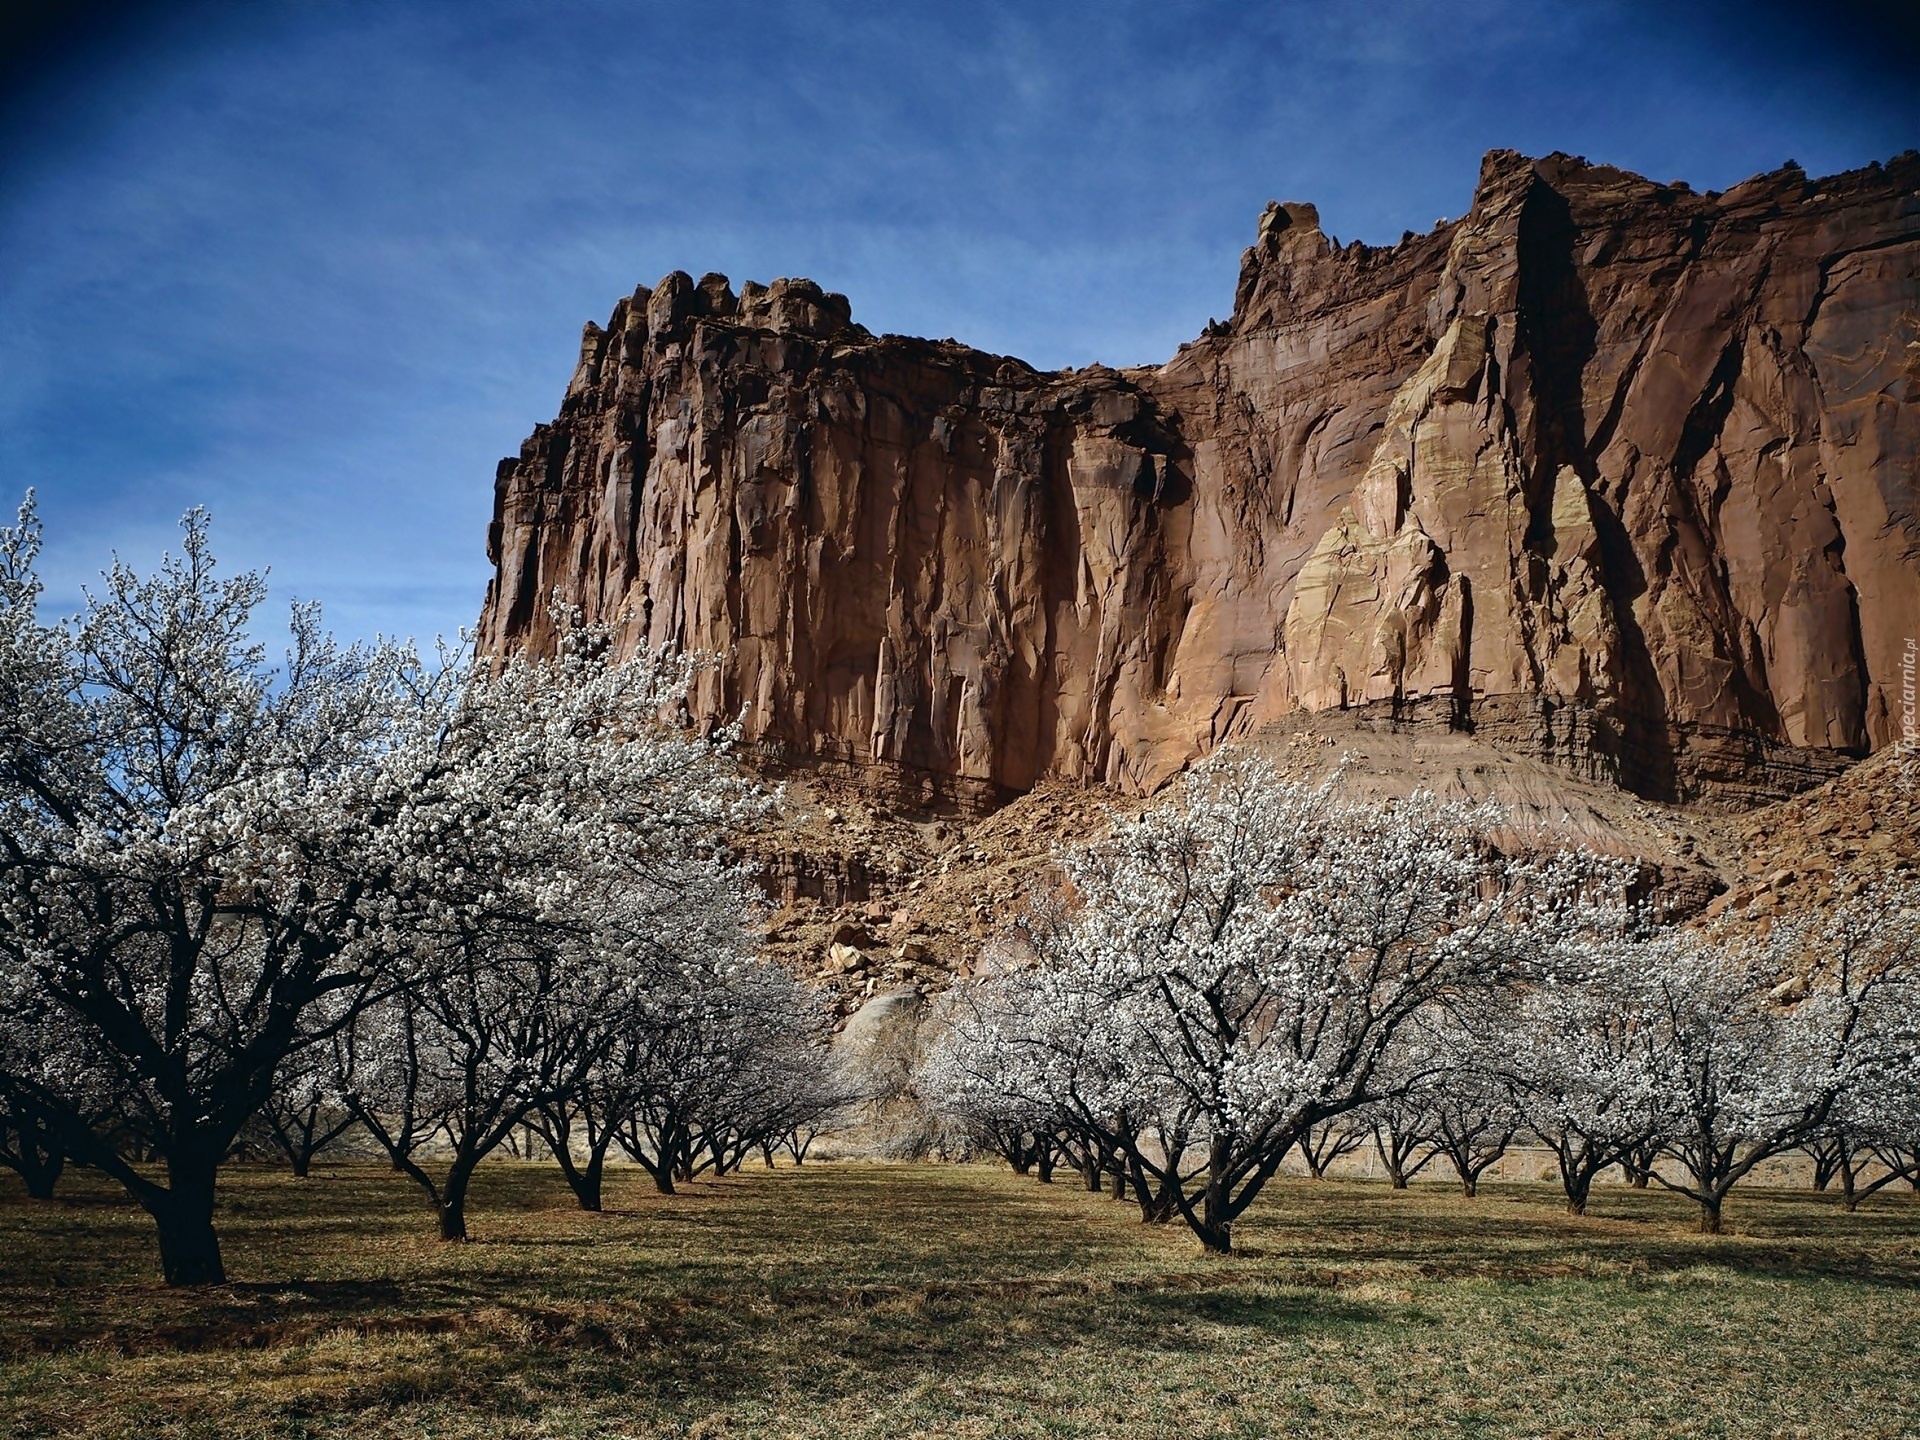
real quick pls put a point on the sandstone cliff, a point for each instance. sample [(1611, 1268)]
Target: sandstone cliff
[(1606, 471)]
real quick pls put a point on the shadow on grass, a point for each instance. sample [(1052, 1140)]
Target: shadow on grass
[(1513, 1237), (824, 1284)]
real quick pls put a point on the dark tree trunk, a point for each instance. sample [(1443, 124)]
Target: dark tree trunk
[(30, 1145), (1578, 1184), (1826, 1160), (1392, 1159), (40, 1169), (183, 1215), (584, 1180), (1043, 1162), (1216, 1223), (1216, 1239), (660, 1170), (1469, 1166), (1710, 1215), (1638, 1164), (1156, 1207), (452, 1204), (302, 1162)]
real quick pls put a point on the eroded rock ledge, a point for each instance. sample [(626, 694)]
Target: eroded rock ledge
[(1612, 471)]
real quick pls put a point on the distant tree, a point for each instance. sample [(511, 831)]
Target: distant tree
[(1404, 1122), (1637, 1162), (1753, 1065), (45, 1054), (461, 1057), (305, 1113), (730, 1059), (579, 1125), (30, 1142), (962, 1078), (561, 832), (1736, 1081), (1868, 947), (1322, 1144), (1472, 1114), (1827, 1150), (1576, 1054)]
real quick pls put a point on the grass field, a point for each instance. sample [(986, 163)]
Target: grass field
[(866, 1300)]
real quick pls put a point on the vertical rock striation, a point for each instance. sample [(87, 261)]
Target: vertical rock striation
[(1605, 469)]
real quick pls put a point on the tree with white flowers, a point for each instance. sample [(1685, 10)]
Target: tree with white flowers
[(1404, 1121), (964, 1082), (1332, 1140), (559, 847), (210, 865), (51, 1078), (1867, 946), (454, 1061), (730, 1057), (1232, 968), (304, 1113), (1757, 1045), (1000, 1071), (1574, 1051), (1472, 1116), (1736, 1079), (180, 857)]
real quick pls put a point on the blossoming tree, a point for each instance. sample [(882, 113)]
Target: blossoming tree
[(1234, 966)]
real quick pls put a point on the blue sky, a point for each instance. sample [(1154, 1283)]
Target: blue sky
[(318, 264)]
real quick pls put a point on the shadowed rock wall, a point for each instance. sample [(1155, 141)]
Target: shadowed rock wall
[(1605, 470)]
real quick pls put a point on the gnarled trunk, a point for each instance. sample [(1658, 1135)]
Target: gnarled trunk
[(40, 1170), (183, 1216), (1216, 1220), (452, 1204), (1710, 1215), (1577, 1184), (585, 1180)]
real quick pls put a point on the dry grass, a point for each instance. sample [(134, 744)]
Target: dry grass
[(864, 1300)]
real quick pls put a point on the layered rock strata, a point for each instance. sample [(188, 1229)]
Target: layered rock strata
[(1621, 474)]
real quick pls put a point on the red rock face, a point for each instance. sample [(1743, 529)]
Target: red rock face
[(1605, 469)]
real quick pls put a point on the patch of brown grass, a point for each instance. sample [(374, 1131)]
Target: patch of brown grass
[(855, 1300)]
